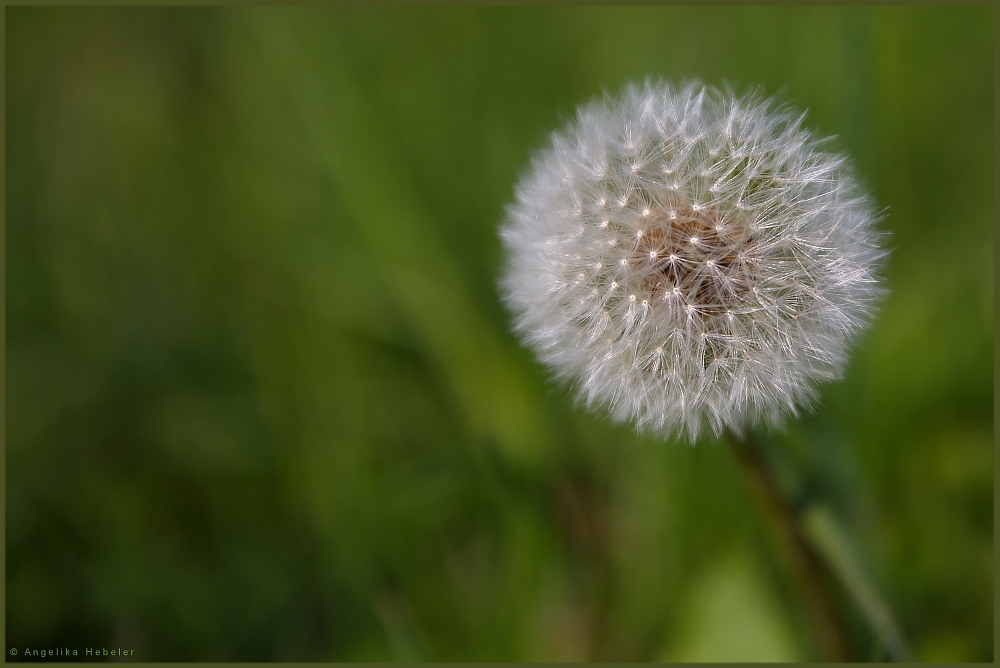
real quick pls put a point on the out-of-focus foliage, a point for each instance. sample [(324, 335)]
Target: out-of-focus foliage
[(262, 402)]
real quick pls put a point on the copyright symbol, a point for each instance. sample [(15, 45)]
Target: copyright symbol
[(13, 651)]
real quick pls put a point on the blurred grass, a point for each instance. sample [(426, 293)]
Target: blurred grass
[(261, 399)]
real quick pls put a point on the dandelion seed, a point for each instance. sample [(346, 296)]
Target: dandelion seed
[(780, 316)]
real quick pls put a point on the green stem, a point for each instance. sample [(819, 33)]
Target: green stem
[(812, 577)]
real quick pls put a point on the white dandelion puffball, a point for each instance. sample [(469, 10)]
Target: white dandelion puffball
[(684, 255)]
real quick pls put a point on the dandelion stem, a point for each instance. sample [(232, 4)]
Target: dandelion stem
[(810, 572)]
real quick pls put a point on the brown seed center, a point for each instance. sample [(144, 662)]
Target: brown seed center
[(692, 254)]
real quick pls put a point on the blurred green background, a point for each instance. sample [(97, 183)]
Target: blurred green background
[(261, 398)]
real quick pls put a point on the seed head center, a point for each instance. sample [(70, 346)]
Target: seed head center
[(695, 254)]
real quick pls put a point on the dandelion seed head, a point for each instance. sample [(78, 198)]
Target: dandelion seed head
[(751, 291)]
